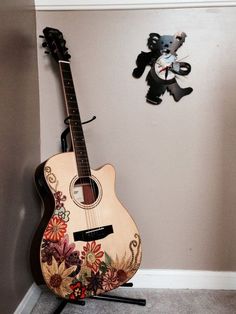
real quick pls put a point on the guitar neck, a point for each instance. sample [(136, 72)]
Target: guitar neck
[(77, 134)]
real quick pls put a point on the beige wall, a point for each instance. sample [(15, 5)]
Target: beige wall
[(20, 148), (176, 163)]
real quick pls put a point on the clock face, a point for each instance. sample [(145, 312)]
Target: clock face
[(163, 66)]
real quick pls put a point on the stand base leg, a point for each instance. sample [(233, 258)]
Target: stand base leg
[(64, 303), (115, 298), (104, 297), (60, 307), (127, 284)]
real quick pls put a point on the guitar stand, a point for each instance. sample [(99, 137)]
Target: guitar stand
[(102, 297), (64, 134)]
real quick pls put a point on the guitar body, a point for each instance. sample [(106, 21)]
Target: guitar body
[(87, 244)]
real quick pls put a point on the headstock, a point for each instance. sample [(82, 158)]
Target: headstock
[(56, 44)]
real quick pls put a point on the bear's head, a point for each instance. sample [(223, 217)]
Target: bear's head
[(166, 43)]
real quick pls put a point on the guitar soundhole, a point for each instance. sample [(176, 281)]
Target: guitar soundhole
[(85, 191)]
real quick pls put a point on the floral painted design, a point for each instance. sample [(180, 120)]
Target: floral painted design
[(60, 210), (79, 292), (47, 251), (62, 213), (94, 282), (92, 255), (84, 274), (57, 277), (55, 230), (110, 279), (74, 273), (63, 251), (59, 199)]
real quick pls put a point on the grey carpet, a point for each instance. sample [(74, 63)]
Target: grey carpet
[(159, 301)]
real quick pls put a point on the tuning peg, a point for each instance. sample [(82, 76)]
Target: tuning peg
[(41, 36), (44, 44)]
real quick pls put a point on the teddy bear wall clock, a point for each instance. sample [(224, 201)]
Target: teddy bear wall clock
[(164, 67)]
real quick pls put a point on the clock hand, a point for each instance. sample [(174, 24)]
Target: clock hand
[(166, 74), (163, 69)]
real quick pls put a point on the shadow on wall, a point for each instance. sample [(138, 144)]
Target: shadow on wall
[(20, 149)]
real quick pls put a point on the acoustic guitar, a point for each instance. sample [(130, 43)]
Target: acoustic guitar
[(86, 243)]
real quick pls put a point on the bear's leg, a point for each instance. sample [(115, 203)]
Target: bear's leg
[(157, 88), (177, 92), (152, 96)]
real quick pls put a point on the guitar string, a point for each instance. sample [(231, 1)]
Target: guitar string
[(89, 212), (93, 218), (87, 218), (96, 192), (94, 211), (94, 221)]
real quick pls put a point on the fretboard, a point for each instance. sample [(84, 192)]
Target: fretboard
[(77, 134)]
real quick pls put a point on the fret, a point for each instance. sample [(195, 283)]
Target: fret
[(68, 82), (71, 98), (82, 162), (80, 148), (74, 124), (78, 155), (72, 107), (78, 133), (74, 121), (69, 90), (74, 115), (82, 168), (65, 66), (66, 75), (76, 129), (77, 140), (78, 145)]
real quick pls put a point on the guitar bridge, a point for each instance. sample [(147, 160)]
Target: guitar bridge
[(93, 234)]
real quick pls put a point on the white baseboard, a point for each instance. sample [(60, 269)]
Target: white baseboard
[(29, 300), (158, 279), (128, 4), (184, 279)]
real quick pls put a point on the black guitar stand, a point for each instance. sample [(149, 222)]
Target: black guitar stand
[(64, 145), (102, 297)]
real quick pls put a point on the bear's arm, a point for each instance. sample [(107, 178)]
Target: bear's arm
[(143, 59)]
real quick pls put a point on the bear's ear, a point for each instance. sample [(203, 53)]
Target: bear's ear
[(153, 40), (178, 40), (180, 36), (151, 35)]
